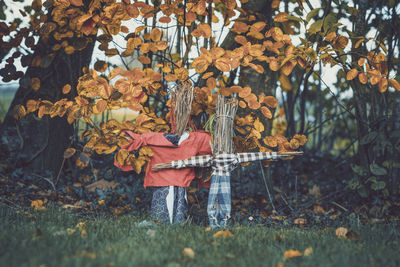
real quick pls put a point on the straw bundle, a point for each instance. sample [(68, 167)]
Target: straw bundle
[(183, 98), (223, 131)]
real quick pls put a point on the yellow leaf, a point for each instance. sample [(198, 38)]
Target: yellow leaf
[(361, 61), (300, 221), (341, 232), (240, 27), (223, 234), (351, 74), (37, 204), (291, 253), (188, 252), (301, 138), (205, 30)]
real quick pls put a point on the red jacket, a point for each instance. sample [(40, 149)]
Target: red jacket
[(163, 152)]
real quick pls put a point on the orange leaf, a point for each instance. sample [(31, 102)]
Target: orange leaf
[(241, 39), (270, 101), (257, 67), (207, 75), (395, 84), (155, 35), (281, 17), (240, 27), (294, 144), (170, 78), (242, 104), (361, 61), (362, 77), (341, 232), (76, 2), (165, 20), (258, 26), (245, 92), (274, 65), (66, 89), (35, 83), (383, 84), (223, 234), (301, 138), (188, 252), (291, 253), (223, 64), (351, 74), (266, 112), (144, 59), (101, 105), (270, 141), (211, 83), (205, 30)]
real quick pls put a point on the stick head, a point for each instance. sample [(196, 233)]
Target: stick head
[(182, 97)]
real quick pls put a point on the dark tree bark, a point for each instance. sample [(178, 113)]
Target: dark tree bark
[(34, 143)]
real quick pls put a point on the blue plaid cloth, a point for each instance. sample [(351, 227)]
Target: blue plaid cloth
[(219, 201)]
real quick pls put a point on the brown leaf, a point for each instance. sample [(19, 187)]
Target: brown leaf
[(100, 66), (35, 83), (102, 185), (395, 84), (66, 89)]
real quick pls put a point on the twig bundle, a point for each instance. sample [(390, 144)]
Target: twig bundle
[(183, 98), (223, 131)]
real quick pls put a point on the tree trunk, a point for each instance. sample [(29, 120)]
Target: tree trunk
[(39, 143)]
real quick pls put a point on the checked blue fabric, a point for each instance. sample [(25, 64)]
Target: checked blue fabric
[(219, 201)]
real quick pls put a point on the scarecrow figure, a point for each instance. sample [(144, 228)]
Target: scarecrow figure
[(223, 161), (169, 201)]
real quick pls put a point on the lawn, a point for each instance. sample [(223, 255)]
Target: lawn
[(56, 237)]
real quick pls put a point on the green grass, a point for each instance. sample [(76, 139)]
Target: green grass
[(41, 239)]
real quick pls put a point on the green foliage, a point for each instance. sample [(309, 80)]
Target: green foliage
[(54, 238)]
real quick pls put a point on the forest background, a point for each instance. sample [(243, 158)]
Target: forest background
[(317, 76)]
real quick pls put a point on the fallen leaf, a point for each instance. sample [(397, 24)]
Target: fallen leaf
[(291, 253), (223, 233), (151, 233), (38, 204), (300, 221), (341, 232), (188, 252), (71, 231), (102, 185), (207, 229), (308, 251), (83, 233), (81, 225)]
